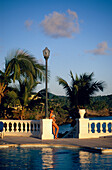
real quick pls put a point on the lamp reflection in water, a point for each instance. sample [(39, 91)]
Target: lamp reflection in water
[(87, 158), (47, 158), (84, 158)]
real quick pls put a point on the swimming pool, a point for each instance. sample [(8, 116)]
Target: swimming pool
[(52, 158)]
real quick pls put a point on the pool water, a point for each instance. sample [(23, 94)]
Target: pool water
[(52, 158)]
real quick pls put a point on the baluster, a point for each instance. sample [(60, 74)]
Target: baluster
[(7, 126), (107, 128), (30, 127), (21, 126), (25, 127), (33, 127), (36, 127), (102, 127), (17, 130), (96, 128), (89, 127), (12, 127), (39, 127), (111, 127)]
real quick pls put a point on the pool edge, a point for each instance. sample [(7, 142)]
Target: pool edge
[(89, 149)]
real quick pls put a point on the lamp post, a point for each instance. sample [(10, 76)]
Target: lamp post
[(46, 54)]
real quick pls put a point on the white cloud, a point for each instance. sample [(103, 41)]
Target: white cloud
[(60, 25), (102, 49), (72, 13), (28, 24)]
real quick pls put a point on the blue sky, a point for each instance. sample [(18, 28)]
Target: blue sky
[(77, 32)]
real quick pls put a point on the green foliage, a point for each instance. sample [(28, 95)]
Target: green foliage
[(100, 102), (4, 81), (32, 117), (80, 90), (21, 67), (12, 99)]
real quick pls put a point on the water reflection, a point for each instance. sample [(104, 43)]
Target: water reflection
[(47, 158), (52, 158), (84, 157)]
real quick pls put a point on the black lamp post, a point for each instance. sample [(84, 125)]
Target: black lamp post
[(46, 54)]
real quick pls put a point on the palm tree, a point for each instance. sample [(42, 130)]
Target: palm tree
[(4, 81), (20, 66), (25, 65), (80, 90), (24, 92)]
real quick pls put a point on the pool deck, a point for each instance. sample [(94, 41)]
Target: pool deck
[(101, 145)]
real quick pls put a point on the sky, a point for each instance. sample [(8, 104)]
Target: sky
[(78, 34)]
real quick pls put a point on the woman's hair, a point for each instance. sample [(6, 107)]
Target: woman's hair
[(51, 109)]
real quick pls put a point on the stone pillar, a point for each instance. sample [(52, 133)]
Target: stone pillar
[(46, 129), (83, 128)]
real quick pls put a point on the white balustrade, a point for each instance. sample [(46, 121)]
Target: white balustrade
[(39, 128), (85, 128), (90, 128)]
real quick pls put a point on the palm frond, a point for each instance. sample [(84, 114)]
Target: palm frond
[(71, 75), (76, 77), (65, 85), (24, 64), (41, 71)]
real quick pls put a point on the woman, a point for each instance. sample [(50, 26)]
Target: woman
[(54, 125)]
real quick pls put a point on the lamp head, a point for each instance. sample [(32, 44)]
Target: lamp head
[(46, 53)]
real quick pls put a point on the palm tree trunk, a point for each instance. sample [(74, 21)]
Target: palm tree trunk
[(0, 98), (22, 113)]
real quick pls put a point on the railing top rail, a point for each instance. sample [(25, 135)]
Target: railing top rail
[(21, 121), (100, 121)]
